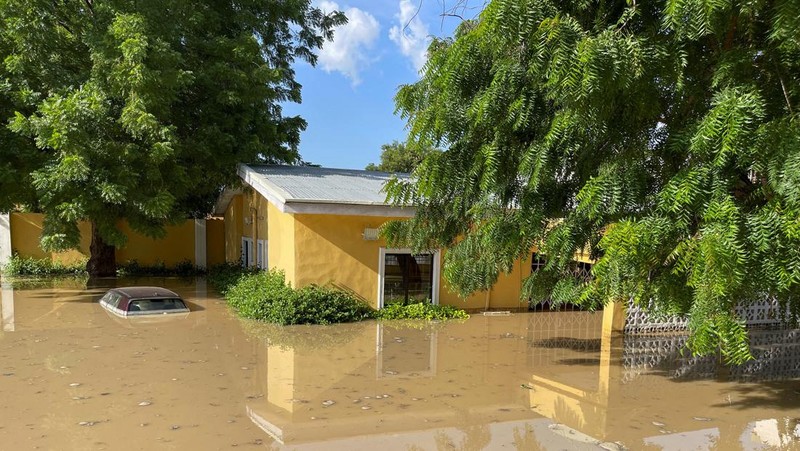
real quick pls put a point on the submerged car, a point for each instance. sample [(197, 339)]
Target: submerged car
[(139, 301)]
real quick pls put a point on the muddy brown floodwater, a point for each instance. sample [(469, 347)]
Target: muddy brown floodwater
[(74, 377)]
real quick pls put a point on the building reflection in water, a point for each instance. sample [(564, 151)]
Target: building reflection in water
[(546, 380), (529, 381)]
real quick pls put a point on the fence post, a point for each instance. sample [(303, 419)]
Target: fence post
[(5, 238), (613, 319)]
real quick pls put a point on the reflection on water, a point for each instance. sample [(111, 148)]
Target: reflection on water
[(75, 377)]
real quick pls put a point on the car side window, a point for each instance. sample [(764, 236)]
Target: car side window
[(139, 305)]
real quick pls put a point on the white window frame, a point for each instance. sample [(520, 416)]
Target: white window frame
[(247, 256), (382, 269), (262, 258)]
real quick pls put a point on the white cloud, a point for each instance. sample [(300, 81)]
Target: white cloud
[(349, 51), (411, 34)]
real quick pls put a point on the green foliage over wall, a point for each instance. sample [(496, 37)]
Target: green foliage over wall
[(662, 136)]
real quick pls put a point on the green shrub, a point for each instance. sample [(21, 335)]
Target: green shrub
[(225, 275), (421, 310), (316, 304), (265, 296), (27, 266), (255, 295)]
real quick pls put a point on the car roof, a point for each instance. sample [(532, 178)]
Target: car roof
[(146, 292)]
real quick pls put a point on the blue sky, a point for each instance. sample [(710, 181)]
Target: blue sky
[(348, 98)]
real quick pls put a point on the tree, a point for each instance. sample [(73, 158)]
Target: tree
[(662, 136), (141, 110), (401, 157)]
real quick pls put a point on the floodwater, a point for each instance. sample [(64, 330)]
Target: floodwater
[(74, 377)]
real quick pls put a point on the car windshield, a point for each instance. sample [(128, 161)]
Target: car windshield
[(145, 305)]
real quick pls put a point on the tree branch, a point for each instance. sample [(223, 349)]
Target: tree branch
[(785, 94)]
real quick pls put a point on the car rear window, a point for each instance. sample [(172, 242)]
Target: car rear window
[(146, 305)]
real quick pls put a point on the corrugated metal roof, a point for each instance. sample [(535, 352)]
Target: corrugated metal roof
[(314, 184)]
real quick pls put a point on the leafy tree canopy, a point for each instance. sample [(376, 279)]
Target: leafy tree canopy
[(401, 157), (141, 109), (661, 136)]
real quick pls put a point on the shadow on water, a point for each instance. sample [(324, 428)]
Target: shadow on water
[(575, 362), (574, 344), (773, 395)]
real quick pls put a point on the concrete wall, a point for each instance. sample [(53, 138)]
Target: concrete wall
[(254, 216), (26, 231), (233, 230), (503, 295), (282, 246), (215, 241), (176, 246), (332, 249), (179, 244)]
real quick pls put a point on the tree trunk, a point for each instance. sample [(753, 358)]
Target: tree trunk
[(102, 261)]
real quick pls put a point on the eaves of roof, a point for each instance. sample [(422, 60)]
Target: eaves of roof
[(286, 203)]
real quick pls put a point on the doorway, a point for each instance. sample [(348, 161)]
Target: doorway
[(407, 277)]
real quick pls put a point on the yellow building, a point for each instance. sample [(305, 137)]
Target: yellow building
[(197, 241), (320, 225)]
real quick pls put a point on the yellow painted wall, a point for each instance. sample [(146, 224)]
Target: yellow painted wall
[(246, 216), (233, 230), (176, 246), (254, 216), (505, 294), (215, 241), (308, 248), (281, 248), (26, 231), (331, 248)]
